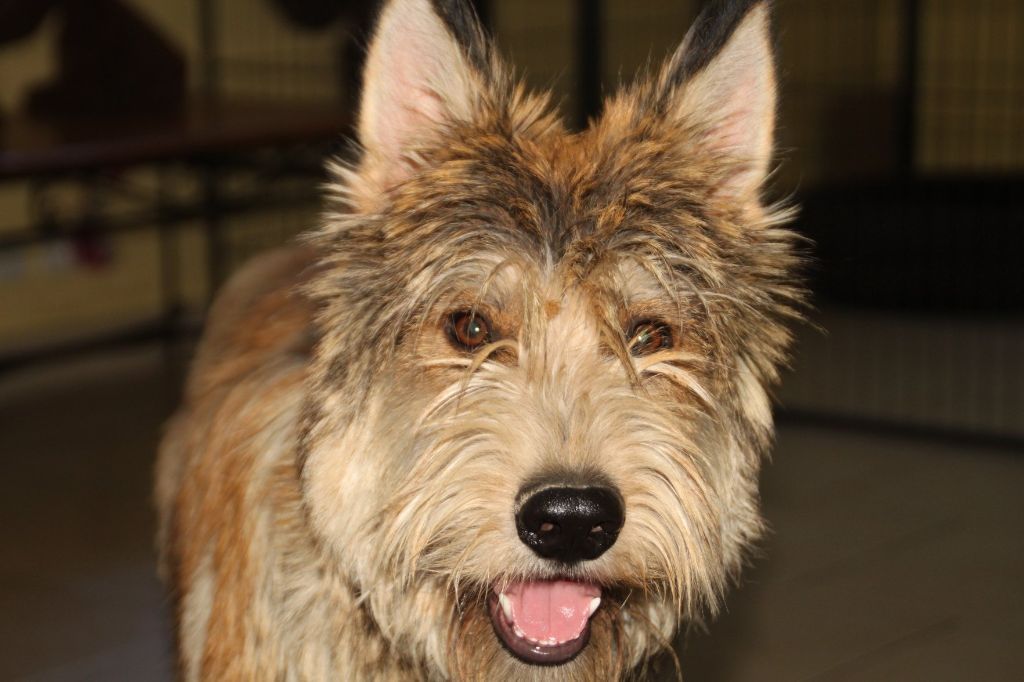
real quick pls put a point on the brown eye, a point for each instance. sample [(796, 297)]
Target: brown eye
[(649, 336), (468, 330)]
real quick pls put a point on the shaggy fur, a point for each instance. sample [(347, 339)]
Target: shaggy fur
[(337, 492)]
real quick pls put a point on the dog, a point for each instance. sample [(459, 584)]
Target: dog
[(501, 415)]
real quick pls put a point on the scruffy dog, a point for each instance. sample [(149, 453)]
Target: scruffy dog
[(502, 417)]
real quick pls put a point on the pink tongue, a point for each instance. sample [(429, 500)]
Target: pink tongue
[(551, 611)]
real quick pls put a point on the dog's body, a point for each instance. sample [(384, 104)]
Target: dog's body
[(504, 414)]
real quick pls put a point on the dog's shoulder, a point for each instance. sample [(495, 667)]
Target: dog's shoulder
[(259, 317)]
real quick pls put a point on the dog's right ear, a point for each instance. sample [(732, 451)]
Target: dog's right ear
[(426, 68), (721, 82)]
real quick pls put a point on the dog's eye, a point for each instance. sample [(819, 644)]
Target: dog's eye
[(468, 330), (649, 336)]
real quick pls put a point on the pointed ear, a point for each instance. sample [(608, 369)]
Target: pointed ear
[(721, 81), (426, 67)]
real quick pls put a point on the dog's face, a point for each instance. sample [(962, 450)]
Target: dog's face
[(538, 406)]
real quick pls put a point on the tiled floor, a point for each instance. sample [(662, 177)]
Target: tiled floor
[(890, 559), (79, 599)]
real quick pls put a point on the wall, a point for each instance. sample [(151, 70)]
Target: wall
[(841, 64)]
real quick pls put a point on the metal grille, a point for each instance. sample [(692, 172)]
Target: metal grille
[(971, 94), (906, 118), (260, 55)]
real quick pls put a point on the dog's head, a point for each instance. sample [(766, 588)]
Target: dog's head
[(539, 402)]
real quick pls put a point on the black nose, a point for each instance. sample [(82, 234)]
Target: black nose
[(570, 524)]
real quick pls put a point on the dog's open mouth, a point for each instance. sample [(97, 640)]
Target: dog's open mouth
[(544, 622)]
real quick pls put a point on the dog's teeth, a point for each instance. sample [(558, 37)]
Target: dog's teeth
[(519, 632), (594, 603), (506, 605)]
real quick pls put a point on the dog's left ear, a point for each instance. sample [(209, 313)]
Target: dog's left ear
[(721, 83), (427, 66)]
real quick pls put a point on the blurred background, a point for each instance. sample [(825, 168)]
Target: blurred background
[(148, 148)]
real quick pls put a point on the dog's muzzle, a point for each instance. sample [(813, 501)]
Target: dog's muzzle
[(547, 622)]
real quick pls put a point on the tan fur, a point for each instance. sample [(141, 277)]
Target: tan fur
[(336, 493)]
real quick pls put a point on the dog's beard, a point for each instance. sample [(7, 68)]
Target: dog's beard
[(442, 618), (466, 634)]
